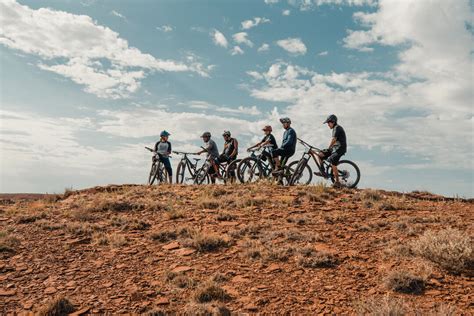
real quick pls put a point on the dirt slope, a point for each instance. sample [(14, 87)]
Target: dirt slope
[(246, 249)]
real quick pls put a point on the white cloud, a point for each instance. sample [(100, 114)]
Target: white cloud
[(237, 51), (286, 12), (305, 5), (165, 28), (323, 53), (240, 110), (119, 15), (241, 38), (293, 45), (422, 107), (265, 47), (75, 46), (219, 39), (271, 1), (248, 24)]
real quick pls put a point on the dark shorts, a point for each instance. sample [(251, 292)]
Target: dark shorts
[(224, 158), (283, 153), (333, 157)]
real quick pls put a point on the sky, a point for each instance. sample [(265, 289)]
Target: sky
[(86, 84)]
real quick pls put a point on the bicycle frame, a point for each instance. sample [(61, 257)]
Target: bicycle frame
[(311, 151)]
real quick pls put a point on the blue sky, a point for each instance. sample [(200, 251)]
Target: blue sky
[(86, 84)]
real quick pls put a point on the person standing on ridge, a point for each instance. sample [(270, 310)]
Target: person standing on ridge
[(163, 149)]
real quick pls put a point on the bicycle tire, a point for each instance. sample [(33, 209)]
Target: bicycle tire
[(180, 172), (357, 179), (152, 175), (249, 163), (232, 167), (299, 169)]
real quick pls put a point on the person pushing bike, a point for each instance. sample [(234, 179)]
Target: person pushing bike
[(163, 149), (288, 146), (212, 154), (337, 147)]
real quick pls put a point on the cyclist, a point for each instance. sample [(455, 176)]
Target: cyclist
[(231, 148), (288, 146), (337, 147), (212, 154), (163, 149), (268, 139)]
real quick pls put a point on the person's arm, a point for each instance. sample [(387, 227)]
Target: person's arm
[(169, 148), (203, 151), (290, 139), (334, 137), (236, 148)]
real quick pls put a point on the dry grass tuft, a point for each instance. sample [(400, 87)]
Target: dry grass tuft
[(114, 206), (164, 235), (113, 239), (225, 217), (57, 307), (387, 306), (208, 202), (8, 243), (405, 282), (173, 214), (450, 248), (31, 218), (196, 309), (206, 242), (309, 258), (210, 291)]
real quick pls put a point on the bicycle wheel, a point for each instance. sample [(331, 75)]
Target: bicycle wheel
[(162, 174), (181, 173), (302, 172), (230, 174), (202, 174), (349, 173), (249, 170), (152, 175)]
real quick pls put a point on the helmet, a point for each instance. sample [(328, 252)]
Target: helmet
[(331, 118), (164, 134), (267, 128), (226, 133), (285, 120), (206, 134)]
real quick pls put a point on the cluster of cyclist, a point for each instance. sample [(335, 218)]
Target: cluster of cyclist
[(276, 156)]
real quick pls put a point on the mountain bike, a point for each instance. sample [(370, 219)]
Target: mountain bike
[(158, 171), (259, 165), (349, 173), (225, 170), (186, 170)]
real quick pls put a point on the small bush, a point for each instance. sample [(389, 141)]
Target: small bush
[(253, 249), (206, 242), (208, 202), (174, 214), (225, 217), (164, 235), (450, 248), (114, 206), (210, 291), (31, 218), (309, 258), (405, 282), (196, 309), (387, 306), (8, 244), (57, 307)]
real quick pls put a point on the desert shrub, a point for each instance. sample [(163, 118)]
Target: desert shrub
[(278, 253), (210, 291), (57, 307), (309, 258), (225, 217), (405, 282), (114, 206), (386, 306), (30, 218), (174, 214), (208, 202), (253, 249), (113, 239), (8, 243), (206, 242), (450, 248), (197, 309), (81, 229), (164, 235)]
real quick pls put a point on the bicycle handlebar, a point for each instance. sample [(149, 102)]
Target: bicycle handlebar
[(308, 145), (183, 153), (149, 149)]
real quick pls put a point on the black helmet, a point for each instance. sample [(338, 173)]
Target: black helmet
[(285, 120), (206, 134), (331, 118), (226, 133)]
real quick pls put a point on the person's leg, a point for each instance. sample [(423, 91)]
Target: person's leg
[(334, 160), (216, 168), (335, 172), (166, 162), (276, 154)]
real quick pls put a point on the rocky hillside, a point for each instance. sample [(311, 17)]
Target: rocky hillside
[(239, 249)]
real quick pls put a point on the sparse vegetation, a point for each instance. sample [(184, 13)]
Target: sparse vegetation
[(210, 291), (405, 282), (57, 307), (309, 258), (449, 248), (206, 242), (8, 243), (386, 306)]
